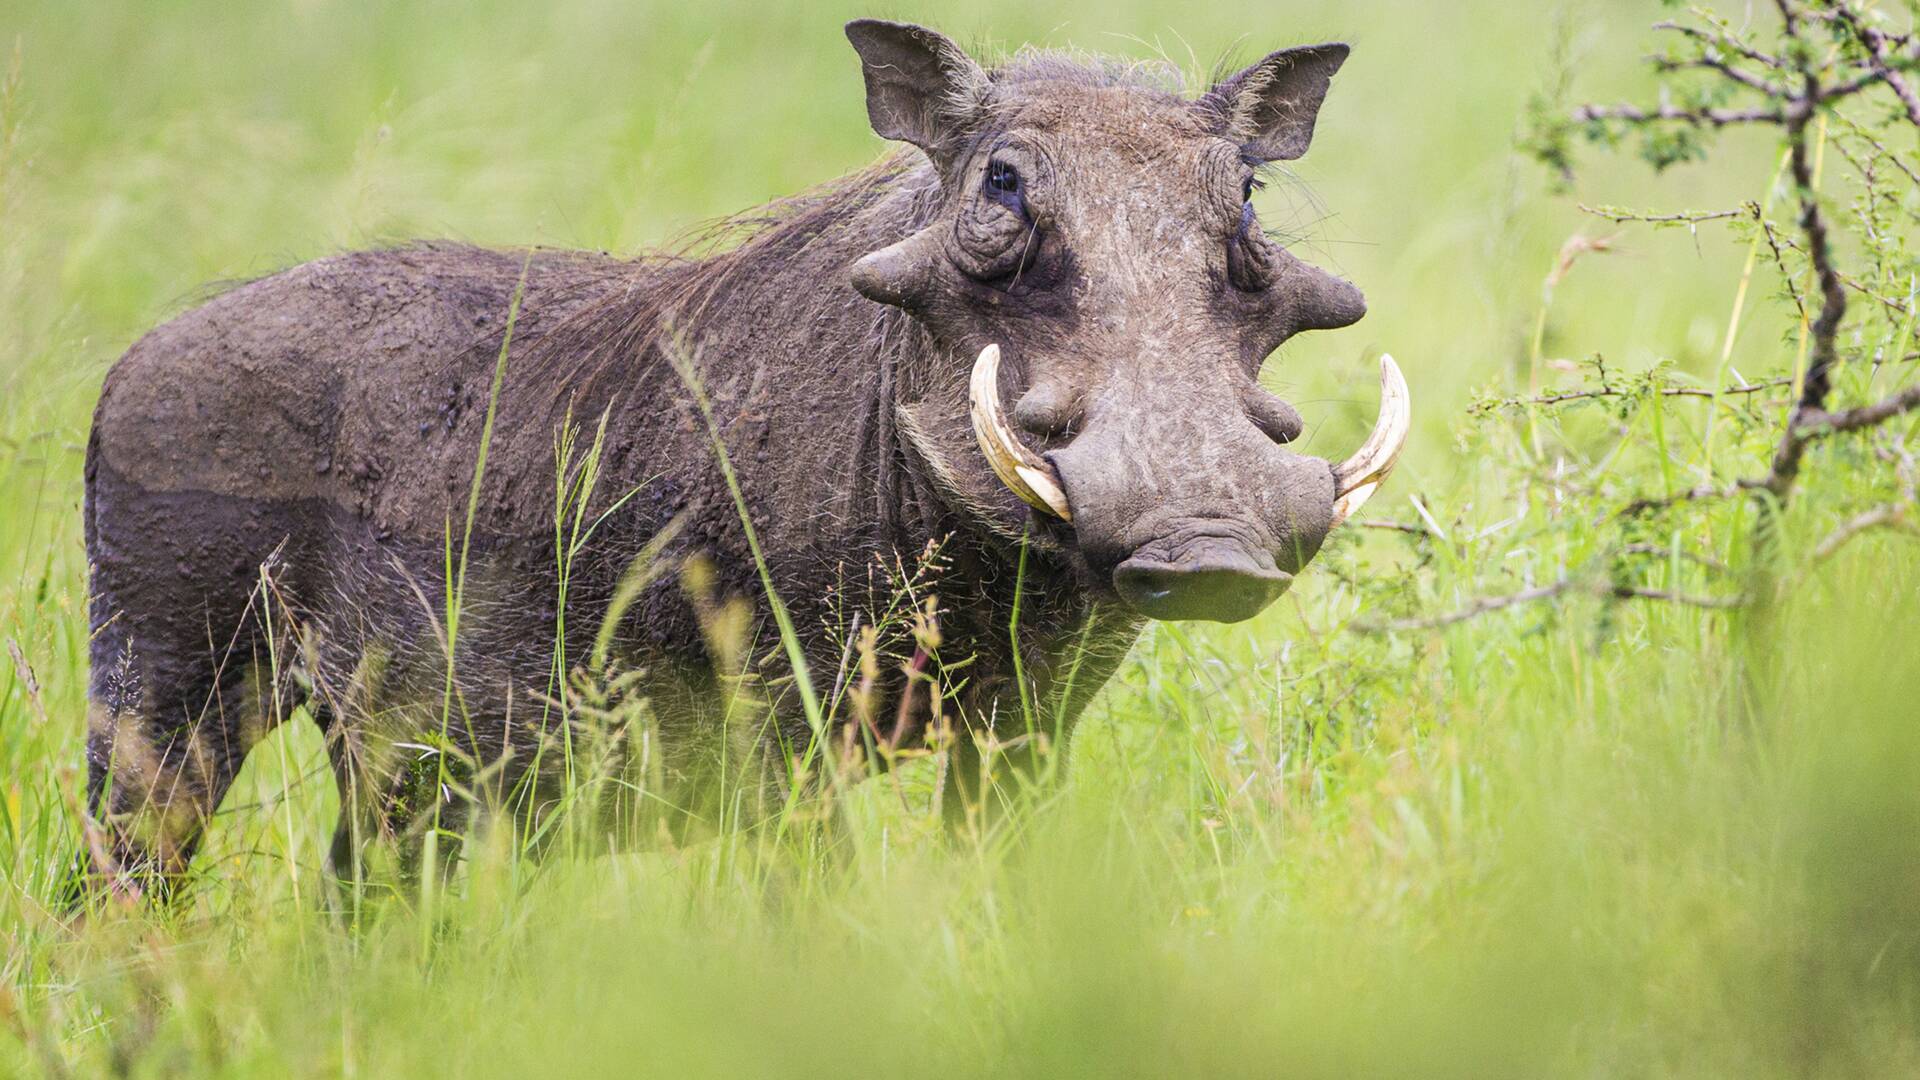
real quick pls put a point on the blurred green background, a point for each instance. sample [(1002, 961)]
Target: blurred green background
[(1552, 842), (168, 145)]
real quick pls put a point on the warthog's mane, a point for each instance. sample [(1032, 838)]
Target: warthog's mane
[(1076, 68), (669, 292), (672, 289)]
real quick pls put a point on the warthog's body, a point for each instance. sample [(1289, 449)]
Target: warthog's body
[(324, 423), (278, 481)]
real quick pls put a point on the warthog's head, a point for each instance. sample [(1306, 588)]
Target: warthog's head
[(1094, 237)]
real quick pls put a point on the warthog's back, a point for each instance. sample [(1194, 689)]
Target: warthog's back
[(356, 380)]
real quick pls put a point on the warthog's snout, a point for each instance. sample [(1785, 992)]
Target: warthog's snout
[(1191, 513)]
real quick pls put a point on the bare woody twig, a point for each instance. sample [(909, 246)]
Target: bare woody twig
[(1726, 70), (1825, 329), (1684, 217), (1779, 240), (1858, 131), (1721, 41), (1636, 592), (1488, 604), (1693, 494), (1668, 111), (1812, 423), (1562, 396), (1478, 607), (1892, 515), (1898, 514), (1397, 526), (1663, 551)]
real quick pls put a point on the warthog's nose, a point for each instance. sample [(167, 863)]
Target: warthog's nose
[(1216, 586)]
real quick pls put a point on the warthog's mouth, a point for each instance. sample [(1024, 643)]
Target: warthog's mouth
[(1219, 581), (1199, 573)]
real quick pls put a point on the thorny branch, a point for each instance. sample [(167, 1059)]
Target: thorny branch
[(1726, 70), (1397, 526), (1833, 297), (1721, 42), (1669, 111), (1699, 493), (1812, 423), (1779, 241), (1686, 217), (1566, 584), (1898, 514), (1562, 396), (1892, 515), (1880, 50), (1814, 83), (1801, 82)]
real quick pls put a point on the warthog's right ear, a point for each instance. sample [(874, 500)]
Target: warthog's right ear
[(921, 87), (1270, 107)]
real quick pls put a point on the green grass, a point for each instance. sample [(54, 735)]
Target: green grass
[(1579, 837)]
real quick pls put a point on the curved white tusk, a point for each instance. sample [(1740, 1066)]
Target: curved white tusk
[(1358, 477), (1023, 471)]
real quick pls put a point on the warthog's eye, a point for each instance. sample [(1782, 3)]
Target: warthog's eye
[(1249, 265), (998, 239), (1004, 186), (1247, 187)]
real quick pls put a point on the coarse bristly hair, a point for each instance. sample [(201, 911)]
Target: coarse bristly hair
[(668, 291)]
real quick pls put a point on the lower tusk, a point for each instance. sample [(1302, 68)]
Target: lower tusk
[(1357, 478), (1025, 473)]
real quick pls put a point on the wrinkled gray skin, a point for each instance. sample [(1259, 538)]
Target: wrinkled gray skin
[(272, 477)]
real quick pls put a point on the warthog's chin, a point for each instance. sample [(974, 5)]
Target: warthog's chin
[(1212, 580)]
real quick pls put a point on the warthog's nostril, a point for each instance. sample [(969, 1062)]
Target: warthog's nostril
[(1215, 590)]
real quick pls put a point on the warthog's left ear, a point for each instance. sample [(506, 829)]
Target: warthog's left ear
[(921, 87), (1271, 106)]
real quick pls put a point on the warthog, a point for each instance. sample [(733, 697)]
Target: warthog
[(286, 502)]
